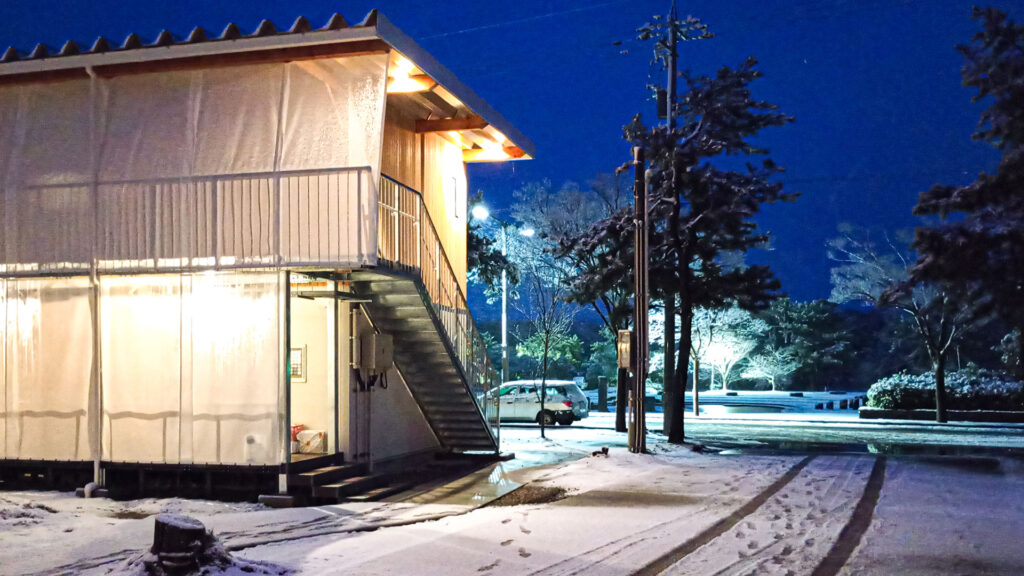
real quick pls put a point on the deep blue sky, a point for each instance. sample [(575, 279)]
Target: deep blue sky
[(874, 85)]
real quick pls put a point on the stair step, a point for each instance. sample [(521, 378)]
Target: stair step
[(325, 475), (382, 492), (444, 424), (399, 300), (348, 487), (467, 445), (394, 313), (389, 287), (466, 417), (440, 375), (310, 464), (477, 434), (441, 390)]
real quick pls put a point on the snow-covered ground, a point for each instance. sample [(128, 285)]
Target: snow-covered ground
[(673, 511)]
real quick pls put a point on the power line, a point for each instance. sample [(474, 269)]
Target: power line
[(523, 20)]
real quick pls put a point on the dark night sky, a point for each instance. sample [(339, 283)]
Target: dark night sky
[(874, 85)]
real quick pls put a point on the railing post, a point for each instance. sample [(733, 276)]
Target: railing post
[(397, 254), (419, 236)]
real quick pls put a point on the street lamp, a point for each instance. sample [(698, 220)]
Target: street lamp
[(481, 213)]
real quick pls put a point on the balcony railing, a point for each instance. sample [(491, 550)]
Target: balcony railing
[(291, 218), (407, 240)]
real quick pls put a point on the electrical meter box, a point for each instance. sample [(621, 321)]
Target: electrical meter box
[(376, 353)]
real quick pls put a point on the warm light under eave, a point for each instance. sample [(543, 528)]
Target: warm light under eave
[(407, 85)]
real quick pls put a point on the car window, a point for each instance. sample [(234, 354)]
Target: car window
[(554, 390), (528, 390), (508, 390)]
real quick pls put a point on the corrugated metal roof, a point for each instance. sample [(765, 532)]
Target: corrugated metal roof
[(167, 38)]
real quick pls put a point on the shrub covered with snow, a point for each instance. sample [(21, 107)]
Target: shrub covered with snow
[(968, 389)]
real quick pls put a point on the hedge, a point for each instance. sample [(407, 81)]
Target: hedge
[(969, 389)]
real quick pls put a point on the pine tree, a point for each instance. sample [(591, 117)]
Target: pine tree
[(982, 247)]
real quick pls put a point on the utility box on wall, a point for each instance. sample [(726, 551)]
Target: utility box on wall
[(376, 353)]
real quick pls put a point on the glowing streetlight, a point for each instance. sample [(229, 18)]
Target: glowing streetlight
[(481, 213)]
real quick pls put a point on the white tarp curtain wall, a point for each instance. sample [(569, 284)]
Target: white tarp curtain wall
[(251, 165), (47, 369), (191, 368)]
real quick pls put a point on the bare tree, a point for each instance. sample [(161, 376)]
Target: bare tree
[(878, 275), (542, 300), (771, 363)]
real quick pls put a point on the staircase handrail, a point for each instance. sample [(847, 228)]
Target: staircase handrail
[(446, 295)]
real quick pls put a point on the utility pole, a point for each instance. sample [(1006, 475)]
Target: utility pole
[(673, 397), (504, 309), (673, 58), (640, 350)]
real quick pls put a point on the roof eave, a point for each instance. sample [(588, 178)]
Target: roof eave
[(431, 67), (380, 28)]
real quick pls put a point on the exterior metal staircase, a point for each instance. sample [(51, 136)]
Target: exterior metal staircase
[(426, 359), (415, 296)]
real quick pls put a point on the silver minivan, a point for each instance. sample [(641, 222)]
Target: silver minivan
[(564, 402)]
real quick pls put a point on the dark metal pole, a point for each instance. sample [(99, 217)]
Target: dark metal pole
[(673, 57), (638, 435)]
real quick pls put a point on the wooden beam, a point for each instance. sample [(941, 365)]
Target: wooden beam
[(447, 124), (435, 101), (44, 77), (484, 155), (515, 151)]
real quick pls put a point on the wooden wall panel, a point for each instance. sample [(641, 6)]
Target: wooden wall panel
[(424, 162)]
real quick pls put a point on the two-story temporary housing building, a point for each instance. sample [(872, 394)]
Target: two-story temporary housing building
[(210, 240)]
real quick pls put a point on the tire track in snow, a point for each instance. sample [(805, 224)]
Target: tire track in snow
[(854, 530), (791, 532), (660, 564), (613, 556)]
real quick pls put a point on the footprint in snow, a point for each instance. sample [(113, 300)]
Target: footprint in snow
[(750, 525), (489, 567), (507, 542), (786, 551), (752, 544), (524, 530), (809, 542), (740, 534), (506, 520), (789, 525), (523, 553)]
